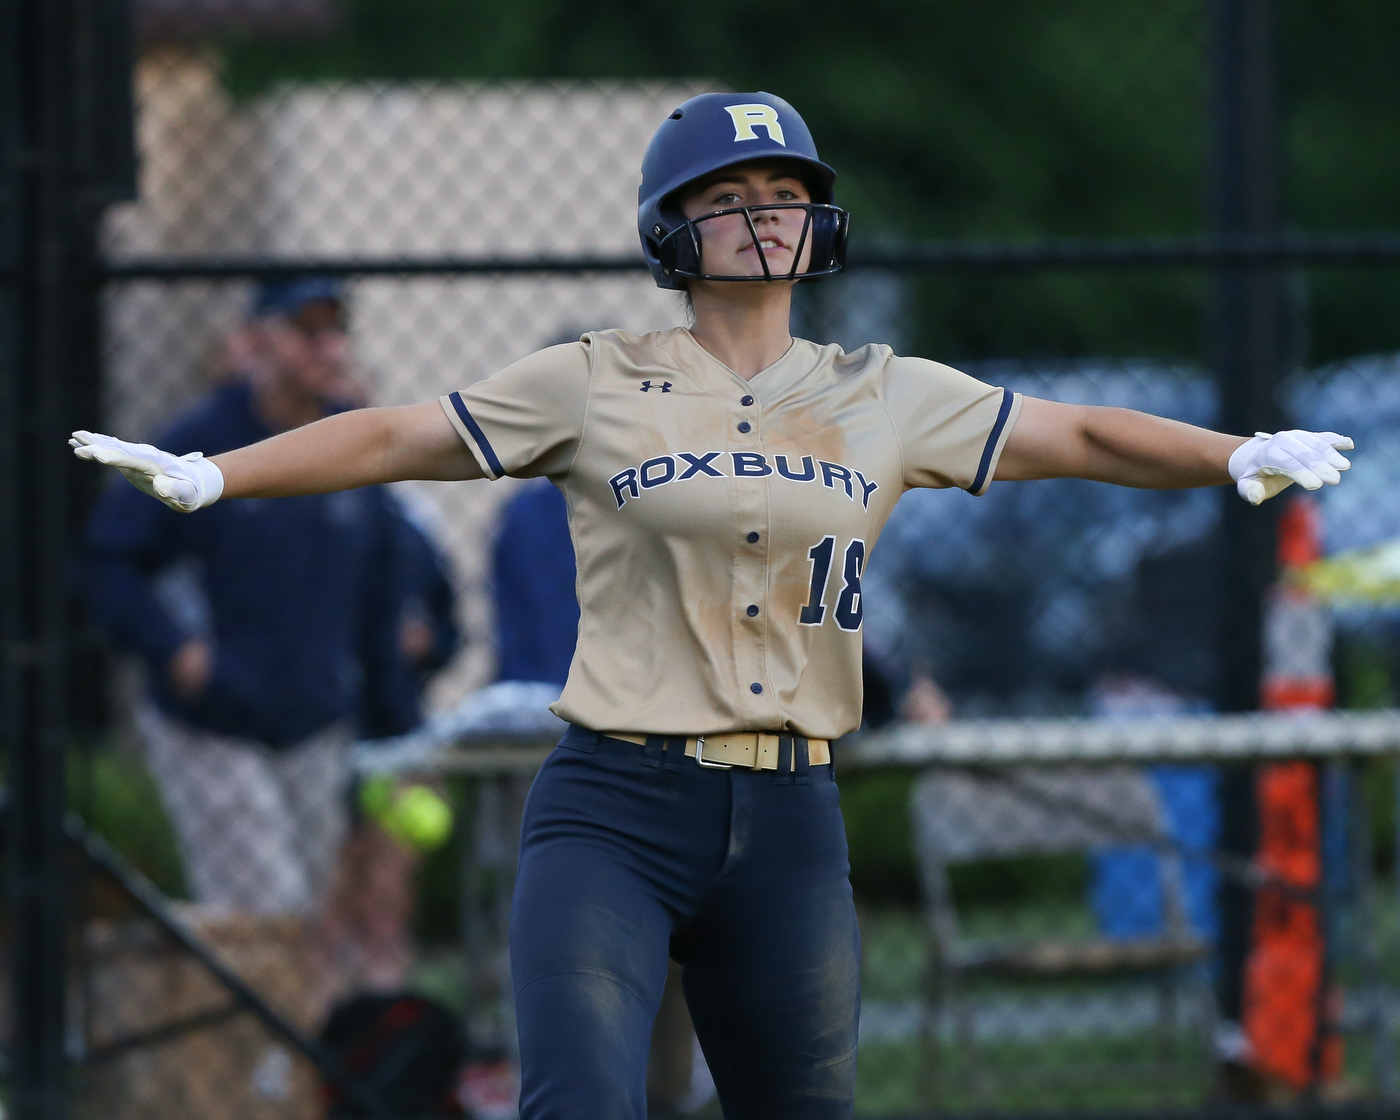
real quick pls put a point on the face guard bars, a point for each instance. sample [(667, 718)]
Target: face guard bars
[(687, 236)]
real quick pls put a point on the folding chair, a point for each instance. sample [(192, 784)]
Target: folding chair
[(997, 813)]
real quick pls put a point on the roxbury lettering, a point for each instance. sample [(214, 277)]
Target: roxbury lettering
[(684, 466)]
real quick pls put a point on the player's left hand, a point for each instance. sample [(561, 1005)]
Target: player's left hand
[(183, 482), (1268, 463)]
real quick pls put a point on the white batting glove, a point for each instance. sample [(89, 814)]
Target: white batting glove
[(1268, 463), (183, 482)]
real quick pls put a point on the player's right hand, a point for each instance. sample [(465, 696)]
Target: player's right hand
[(183, 482), (1267, 464)]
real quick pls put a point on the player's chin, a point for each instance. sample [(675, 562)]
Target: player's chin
[(779, 263)]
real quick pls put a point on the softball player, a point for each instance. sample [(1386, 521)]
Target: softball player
[(725, 485)]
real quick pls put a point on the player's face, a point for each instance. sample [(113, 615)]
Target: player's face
[(727, 245)]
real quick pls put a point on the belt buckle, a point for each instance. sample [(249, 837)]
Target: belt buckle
[(700, 757)]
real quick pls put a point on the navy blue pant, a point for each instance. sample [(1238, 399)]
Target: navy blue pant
[(630, 854)]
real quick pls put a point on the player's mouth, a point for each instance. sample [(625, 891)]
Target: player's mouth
[(765, 243)]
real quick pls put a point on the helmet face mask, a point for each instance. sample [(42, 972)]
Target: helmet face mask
[(715, 132), (680, 252)]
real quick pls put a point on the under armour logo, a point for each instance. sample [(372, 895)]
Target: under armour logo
[(665, 386)]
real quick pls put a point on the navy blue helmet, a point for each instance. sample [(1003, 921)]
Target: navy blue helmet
[(715, 131)]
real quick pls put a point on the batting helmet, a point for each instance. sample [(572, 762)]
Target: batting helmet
[(718, 130)]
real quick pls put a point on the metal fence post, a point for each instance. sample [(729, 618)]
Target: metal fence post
[(33, 538), (1246, 342), (64, 158)]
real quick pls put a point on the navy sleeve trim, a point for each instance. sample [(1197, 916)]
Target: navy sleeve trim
[(485, 444), (1007, 396)]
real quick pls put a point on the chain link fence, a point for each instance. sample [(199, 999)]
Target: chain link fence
[(1058, 938)]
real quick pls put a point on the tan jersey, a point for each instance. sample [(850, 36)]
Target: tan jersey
[(721, 526)]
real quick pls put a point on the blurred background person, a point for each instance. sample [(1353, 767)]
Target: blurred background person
[(532, 579), (269, 628), (428, 630)]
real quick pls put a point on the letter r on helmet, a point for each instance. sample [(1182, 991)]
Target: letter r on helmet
[(748, 117)]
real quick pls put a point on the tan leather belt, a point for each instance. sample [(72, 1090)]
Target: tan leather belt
[(755, 749)]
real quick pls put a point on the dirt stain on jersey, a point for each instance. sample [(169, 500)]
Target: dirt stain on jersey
[(808, 429)]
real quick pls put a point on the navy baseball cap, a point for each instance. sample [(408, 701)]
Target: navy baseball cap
[(287, 295)]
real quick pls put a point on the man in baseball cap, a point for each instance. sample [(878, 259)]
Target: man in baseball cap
[(269, 628)]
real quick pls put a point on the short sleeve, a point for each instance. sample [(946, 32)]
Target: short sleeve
[(952, 428), (527, 420)]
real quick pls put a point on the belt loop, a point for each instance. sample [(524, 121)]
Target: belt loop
[(673, 753), (784, 775), (654, 751), (802, 759), (580, 738)]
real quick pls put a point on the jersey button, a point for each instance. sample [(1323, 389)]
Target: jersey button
[(755, 688), (746, 401), (753, 609), (745, 426), (753, 538)]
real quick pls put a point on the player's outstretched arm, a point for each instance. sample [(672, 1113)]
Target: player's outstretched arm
[(341, 452), (1052, 440), (350, 449)]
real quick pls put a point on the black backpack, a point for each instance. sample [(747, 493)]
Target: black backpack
[(405, 1050)]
